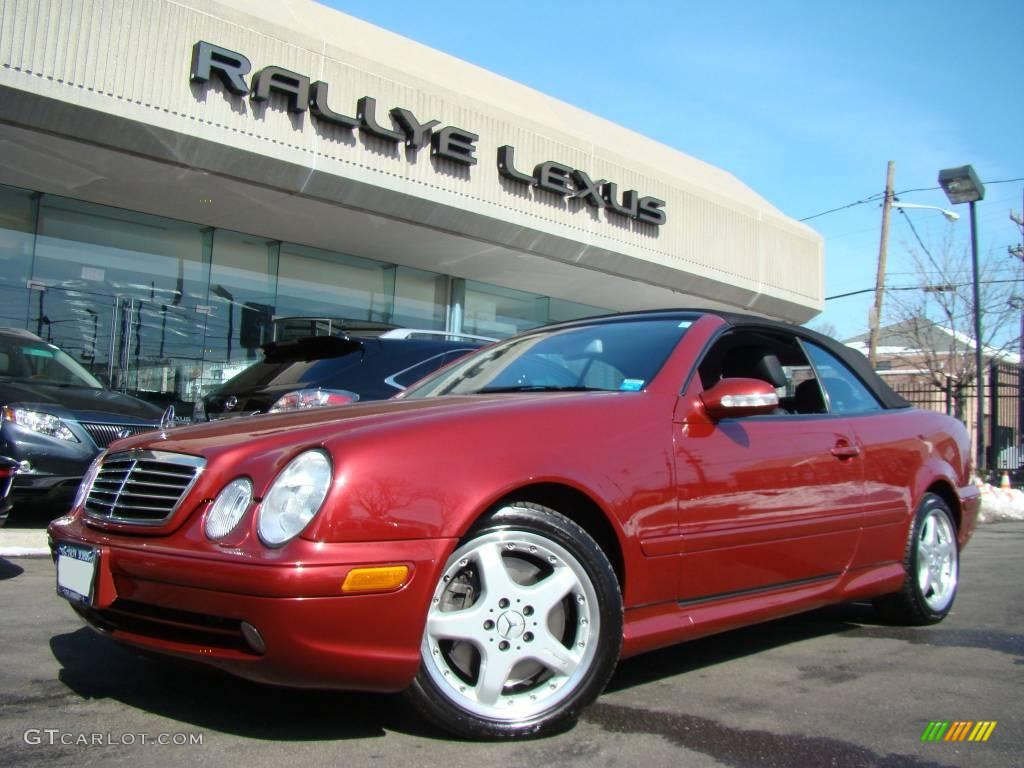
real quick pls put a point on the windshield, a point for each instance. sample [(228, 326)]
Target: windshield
[(612, 356), (42, 363)]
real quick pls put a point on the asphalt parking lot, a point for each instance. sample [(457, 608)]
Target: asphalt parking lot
[(832, 688)]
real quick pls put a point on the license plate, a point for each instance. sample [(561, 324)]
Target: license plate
[(76, 572)]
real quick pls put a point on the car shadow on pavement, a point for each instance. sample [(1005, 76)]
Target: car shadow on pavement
[(94, 667), (9, 570)]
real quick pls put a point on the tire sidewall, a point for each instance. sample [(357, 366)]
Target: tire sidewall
[(430, 701), (929, 504)]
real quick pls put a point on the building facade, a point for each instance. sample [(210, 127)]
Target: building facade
[(176, 175)]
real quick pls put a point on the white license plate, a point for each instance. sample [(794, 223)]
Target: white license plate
[(76, 572)]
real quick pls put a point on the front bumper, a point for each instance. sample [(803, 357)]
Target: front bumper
[(192, 606)]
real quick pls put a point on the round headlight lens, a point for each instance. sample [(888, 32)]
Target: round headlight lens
[(227, 509), (294, 497)]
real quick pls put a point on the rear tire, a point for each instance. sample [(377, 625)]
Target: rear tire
[(932, 563), (524, 628)]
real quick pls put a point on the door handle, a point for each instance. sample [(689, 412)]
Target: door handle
[(845, 450)]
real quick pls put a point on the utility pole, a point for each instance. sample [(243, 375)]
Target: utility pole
[(875, 318)]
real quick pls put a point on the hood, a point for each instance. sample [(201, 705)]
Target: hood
[(79, 403), (320, 425)]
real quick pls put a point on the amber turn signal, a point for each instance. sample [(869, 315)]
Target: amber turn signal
[(375, 579)]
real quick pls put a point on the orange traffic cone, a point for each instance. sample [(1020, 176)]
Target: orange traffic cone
[(1004, 482)]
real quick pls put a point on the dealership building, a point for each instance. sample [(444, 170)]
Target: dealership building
[(174, 176)]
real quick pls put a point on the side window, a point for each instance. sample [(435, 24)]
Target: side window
[(846, 393), (770, 356)]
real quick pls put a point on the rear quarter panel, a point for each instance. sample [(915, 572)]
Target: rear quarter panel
[(908, 452)]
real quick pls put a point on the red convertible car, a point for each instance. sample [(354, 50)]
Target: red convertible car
[(493, 540)]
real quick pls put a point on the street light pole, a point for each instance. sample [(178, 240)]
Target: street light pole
[(962, 185), (978, 360)]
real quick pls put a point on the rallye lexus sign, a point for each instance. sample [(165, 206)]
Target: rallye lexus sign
[(449, 142)]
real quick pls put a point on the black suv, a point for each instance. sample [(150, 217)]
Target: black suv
[(56, 417), (312, 371)]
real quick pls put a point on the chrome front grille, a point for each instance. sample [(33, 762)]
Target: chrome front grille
[(104, 434), (141, 487)]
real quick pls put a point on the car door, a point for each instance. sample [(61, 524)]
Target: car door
[(765, 502), (892, 451)]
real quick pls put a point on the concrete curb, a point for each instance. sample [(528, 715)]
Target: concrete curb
[(23, 542)]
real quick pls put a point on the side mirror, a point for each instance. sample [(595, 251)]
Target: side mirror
[(730, 398)]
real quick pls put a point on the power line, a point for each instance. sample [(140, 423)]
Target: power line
[(920, 287), (919, 240), (881, 195)]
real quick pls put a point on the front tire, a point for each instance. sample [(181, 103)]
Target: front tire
[(524, 627), (932, 563)]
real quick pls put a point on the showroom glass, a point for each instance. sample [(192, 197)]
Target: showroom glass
[(170, 310), (118, 291), (420, 299), (17, 225), (313, 282), (618, 356)]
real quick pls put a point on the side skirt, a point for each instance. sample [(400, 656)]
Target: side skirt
[(657, 626)]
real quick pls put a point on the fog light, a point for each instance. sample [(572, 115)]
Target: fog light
[(377, 579), (253, 638)]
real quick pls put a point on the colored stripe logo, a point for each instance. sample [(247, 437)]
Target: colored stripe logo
[(958, 730)]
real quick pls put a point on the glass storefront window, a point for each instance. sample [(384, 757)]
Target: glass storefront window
[(420, 299), (17, 225), (494, 311), (560, 310), (491, 310), (239, 306), (313, 282), (118, 290), (169, 310)]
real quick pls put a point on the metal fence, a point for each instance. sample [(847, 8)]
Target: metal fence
[(1004, 424)]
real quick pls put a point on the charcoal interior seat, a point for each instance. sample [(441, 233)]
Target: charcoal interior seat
[(807, 397), (753, 363)]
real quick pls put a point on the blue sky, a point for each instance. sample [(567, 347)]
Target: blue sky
[(805, 102)]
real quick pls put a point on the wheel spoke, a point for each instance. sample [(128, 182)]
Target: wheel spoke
[(457, 625), (547, 650), (924, 576), (495, 575), (548, 593), (495, 667), (928, 535)]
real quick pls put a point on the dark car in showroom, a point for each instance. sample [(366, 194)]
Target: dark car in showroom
[(494, 539), (349, 363), (55, 417)]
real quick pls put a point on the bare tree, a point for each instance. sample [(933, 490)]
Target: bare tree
[(827, 329), (931, 326)]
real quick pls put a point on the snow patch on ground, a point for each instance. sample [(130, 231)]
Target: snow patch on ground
[(1000, 504)]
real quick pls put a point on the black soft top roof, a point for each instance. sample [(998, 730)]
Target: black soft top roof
[(851, 357)]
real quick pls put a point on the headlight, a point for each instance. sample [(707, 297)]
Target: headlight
[(199, 412), (294, 498), (312, 398), (227, 509), (87, 480), (40, 423)]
